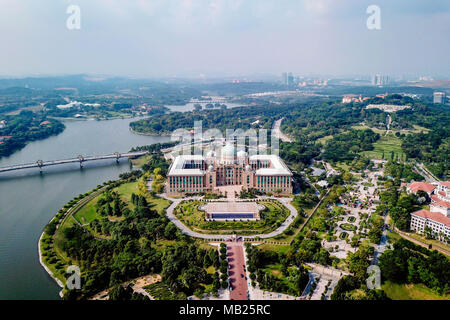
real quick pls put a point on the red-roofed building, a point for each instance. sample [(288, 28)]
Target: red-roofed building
[(417, 186), (437, 222), (438, 217), (43, 123)]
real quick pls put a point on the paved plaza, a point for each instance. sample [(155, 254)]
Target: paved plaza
[(236, 272), (246, 208)]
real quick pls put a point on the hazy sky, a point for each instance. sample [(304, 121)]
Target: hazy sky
[(152, 38)]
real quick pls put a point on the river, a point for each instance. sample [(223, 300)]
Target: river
[(28, 200)]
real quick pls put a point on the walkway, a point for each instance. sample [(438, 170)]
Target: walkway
[(236, 273), (381, 247)]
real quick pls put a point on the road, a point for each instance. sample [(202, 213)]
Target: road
[(429, 177), (189, 232), (276, 129)]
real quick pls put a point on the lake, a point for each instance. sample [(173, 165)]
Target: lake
[(29, 200)]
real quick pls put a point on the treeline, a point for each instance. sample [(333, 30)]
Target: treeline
[(222, 119), (295, 274), (347, 146), (431, 148), (25, 127), (401, 171), (410, 263), (128, 253), (354, 287), (398, 204)]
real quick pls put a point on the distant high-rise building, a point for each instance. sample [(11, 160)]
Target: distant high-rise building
[(380, 80), (438, 97), (290, 79), (284, 78)]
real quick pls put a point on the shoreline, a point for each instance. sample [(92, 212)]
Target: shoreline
[(50, 273), (162, 134)]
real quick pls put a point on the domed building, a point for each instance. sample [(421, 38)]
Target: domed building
[(197, 173), (227, 154)]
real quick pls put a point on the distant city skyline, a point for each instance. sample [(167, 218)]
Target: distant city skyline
[(213, 38)]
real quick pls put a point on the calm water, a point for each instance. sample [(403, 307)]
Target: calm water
[(29, 200)]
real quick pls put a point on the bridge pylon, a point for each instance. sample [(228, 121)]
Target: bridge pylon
[(81, 159), (117, 154), (40, 164)]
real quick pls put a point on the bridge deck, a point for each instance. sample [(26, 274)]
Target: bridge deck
[(40, 164)]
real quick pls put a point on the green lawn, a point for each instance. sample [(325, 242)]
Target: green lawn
[(323, 140), (88, 212), (348, 227), (410, 292), (364, 127), (387, 145), (139, 162), (274, 247)]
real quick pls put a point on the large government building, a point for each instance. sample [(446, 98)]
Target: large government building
[(198, 173)]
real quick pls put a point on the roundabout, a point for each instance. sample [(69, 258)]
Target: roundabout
[(224, 234)]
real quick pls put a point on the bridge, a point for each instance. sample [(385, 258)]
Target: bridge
[(80, 159)]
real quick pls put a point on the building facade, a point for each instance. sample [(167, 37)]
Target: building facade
[(437, 219), (198, 173), (439, 97)]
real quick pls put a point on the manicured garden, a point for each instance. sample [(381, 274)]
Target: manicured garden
[(161, 291), (348, 227), (272, 217)]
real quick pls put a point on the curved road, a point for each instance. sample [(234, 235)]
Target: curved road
[(175, 202), (279, 133)]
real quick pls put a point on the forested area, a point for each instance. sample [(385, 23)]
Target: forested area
[(129, 250), (222, 119), (25, 127), (399, 171), (347, 146), (399, 204), (410, 263), (294, 276), (353, 287)]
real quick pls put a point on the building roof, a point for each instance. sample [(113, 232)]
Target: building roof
[(435, 216), (277, 165), (445, 183), (439, 202), (421, 186), (178, 166)]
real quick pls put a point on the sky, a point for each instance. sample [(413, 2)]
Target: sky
[(166, 38)]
